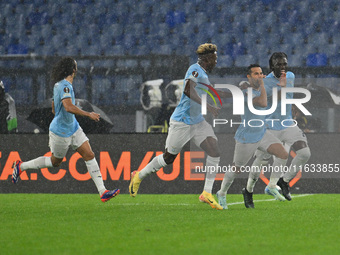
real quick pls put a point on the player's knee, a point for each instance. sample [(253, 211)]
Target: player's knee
[(213, 151), (169, 158), (91, 155), (260, 160), (214, 154), (56, 163), (283, 155)]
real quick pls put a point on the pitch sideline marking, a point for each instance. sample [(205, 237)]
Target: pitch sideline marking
[(235, 203), (265, 200)]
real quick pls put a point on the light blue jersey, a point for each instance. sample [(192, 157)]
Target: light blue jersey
[(271, 82), (64, 123), (255, 131), (187, 110)]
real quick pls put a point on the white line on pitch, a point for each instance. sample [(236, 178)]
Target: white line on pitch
[(235, 203), (265, 200)]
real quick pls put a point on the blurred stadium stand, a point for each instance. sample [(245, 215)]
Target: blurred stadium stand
[(115, 41), (131, 27)]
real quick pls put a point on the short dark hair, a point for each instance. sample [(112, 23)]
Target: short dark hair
[(252, 66), (276, 55), (62, 69)]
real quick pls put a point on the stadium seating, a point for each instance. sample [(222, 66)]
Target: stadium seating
[(97, 26), (317, 59), (225, 61), (335, 60), (245, 32)]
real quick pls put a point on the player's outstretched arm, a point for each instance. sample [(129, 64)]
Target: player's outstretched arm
[(71, 108)]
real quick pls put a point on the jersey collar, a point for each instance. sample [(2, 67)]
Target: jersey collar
[(275, 76)]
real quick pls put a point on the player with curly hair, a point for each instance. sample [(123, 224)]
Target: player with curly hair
[(187, 123), (289, 134), (65, 131)]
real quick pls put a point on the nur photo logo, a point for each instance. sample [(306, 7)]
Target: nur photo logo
[(238, 99), (204, 97)]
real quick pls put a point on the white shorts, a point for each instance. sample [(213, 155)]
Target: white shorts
[(181, 133), (60, 145), (290, 135), (287, 136), (244, 151)]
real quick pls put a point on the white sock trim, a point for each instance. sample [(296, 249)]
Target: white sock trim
[(212, 161), (48, 162), (161, 160), (154, 165)]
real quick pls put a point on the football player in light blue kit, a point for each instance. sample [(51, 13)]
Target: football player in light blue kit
[(288, 133), (187, 123), (251, 135), (65, 131)]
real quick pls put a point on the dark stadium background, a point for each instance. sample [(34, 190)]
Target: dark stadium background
[(119, 45)]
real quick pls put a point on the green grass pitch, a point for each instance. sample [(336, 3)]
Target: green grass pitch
[(167, 224)]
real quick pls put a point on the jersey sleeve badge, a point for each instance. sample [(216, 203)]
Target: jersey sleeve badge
[(194, 74)]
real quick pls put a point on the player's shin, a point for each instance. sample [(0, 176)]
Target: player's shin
[(212, 167), (37, 163), (93, 168), (252, 179), (301, 158), (227, 181), (278, 166), (155, 164), (255, 172)]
